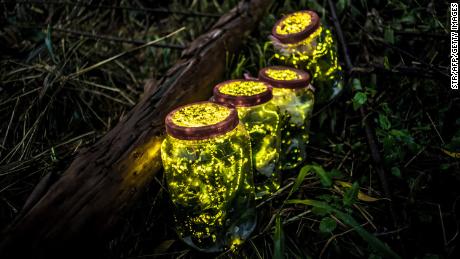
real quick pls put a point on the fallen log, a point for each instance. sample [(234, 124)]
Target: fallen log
[(105, 179)]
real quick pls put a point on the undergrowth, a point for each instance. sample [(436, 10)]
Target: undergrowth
[(334, 206)]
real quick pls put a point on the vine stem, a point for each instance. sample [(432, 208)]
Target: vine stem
[(369, 130)]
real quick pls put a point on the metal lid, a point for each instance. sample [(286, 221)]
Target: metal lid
[(243, 92), (292, 78), (303, 33), (201, 120)]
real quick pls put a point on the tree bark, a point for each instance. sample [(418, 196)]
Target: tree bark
[(105, 179)]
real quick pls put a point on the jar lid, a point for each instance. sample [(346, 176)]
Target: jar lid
[(296, 26), (285, 77), (243, 92), (201, 120)]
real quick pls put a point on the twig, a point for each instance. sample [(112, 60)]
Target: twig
[(421, 34), (341, 38), (400, 69), (391, 231), (435, 128), (334, 237), (11, 120), (442, 225), (375, 154), (439, 70), (116, 39), (128, 8), (123, 53), (431, 120), (77, 33), (414, 157)]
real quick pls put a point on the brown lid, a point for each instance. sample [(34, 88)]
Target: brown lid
[(300, 79), (201, 120), (243, 92), (290, 38)]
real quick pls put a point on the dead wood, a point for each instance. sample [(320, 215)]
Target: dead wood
[(105, 179)]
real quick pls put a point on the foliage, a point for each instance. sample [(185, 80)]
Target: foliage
[(335, 205)]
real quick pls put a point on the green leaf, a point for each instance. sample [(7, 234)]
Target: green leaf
[(389, 35), (327, 225), (408, 18), (324, 177), (350, 195), (444, 166), (278, 239), (49, 44), (341, 5), (359, 99), (385, 107), (303, 172), (373, 241), (386, 63), (384, 122), (396, 172), (238, 72), (319, 211), (356, 83), (374, 256), (334, 173)]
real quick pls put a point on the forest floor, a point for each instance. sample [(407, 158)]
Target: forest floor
[(397, 92)]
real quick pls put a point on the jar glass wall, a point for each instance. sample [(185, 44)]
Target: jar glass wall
[(295, 99), (303, 42), (207, 160), (261, 119)]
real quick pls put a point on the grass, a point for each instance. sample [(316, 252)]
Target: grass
[(60, 93), (334, 207)]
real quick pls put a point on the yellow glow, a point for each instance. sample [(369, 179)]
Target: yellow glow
[(282, 74), (296, 106), (206, 179), (305, 46), (200, 114), (263, 124), (316, 54), (236, 243), (243, 88), (144, 161), (294, 23)]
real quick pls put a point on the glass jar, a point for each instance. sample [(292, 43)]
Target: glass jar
[(293, 95), (207, 163), (260, 116), (303, 42)]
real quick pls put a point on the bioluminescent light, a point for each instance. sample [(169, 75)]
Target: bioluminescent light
[(207, 163), (302, 41), (295, 99), (260, 116)]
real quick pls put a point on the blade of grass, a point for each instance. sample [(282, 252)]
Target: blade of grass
[(373, 241), (324, 177), (278, 239), (85, 70)]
